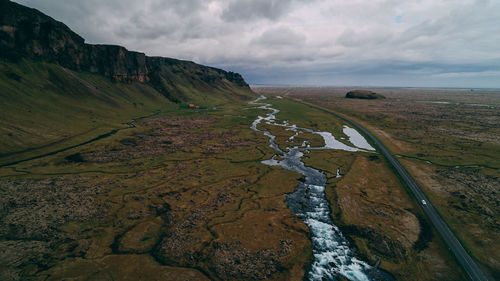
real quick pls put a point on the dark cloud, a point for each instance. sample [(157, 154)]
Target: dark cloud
[(280, 36), (352, 38), (244, 10), (315, 41), (184, 7)]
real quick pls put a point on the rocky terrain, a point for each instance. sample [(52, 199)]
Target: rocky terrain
[(167, 135), (31, 213), (473, 191)]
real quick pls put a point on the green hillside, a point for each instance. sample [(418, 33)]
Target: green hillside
[(46, 106)]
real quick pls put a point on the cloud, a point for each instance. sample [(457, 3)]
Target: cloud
[(280, 36), (302, 41), (244, 10)]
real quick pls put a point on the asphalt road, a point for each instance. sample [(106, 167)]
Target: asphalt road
[(470, 267)]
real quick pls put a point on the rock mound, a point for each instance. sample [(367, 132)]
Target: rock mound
[(363, 94)]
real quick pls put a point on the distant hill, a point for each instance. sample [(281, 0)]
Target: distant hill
[(363, 94), (54, 86)]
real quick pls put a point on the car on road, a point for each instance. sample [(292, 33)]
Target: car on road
[(423, 202)]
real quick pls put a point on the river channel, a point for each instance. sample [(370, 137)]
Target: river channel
[(333, 256)]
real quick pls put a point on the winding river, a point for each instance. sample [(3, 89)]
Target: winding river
[(332, 254)]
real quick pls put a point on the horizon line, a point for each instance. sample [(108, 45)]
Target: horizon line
[(368, 86)]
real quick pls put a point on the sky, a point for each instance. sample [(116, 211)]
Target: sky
[(411, 43)]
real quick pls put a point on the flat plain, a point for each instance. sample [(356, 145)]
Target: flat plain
[(181, 193), (448, 139)]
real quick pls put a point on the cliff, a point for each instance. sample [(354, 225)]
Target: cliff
[(28, 33), (55, 87)]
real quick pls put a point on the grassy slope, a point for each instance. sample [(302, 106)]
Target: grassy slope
[(47, 103), (46, 107)]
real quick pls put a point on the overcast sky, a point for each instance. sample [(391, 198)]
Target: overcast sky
[(445, 43)]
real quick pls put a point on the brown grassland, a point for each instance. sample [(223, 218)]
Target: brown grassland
[(370, 205), (183, 195), (449, 141)]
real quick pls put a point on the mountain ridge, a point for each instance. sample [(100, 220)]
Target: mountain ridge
[(54, 86), (28, 33)]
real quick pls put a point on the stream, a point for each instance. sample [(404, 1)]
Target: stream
[(332, 253)]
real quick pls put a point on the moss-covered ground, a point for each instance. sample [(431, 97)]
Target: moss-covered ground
[(182, 194), (448, 139)]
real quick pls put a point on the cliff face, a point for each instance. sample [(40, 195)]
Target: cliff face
[(28, 33)]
